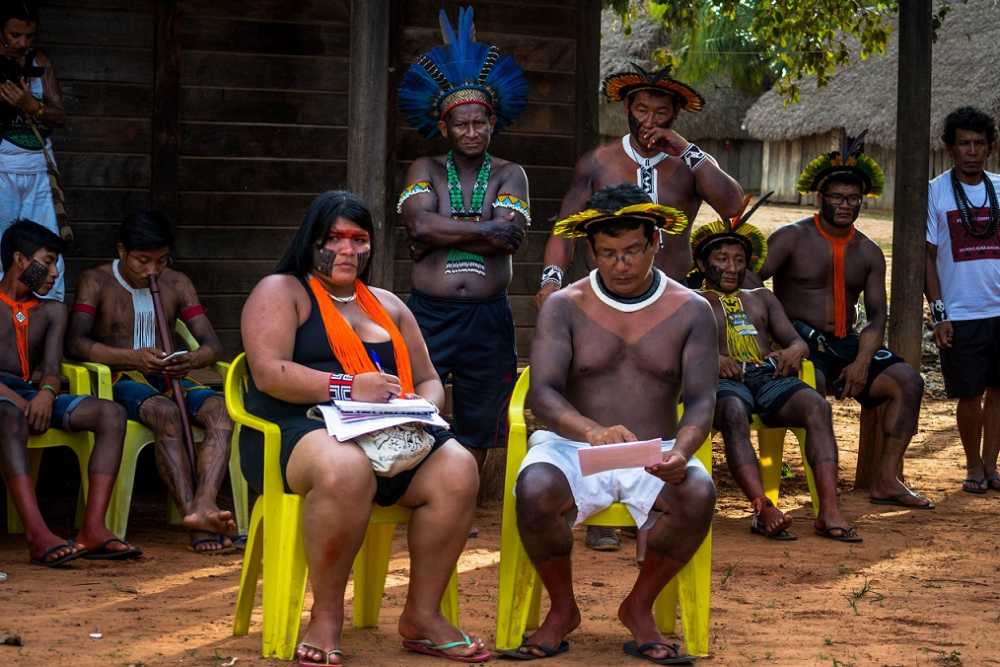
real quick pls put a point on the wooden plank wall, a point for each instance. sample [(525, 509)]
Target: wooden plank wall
[(542, 140)]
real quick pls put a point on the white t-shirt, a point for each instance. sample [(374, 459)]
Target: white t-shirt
[(17, 160), (969, 268)]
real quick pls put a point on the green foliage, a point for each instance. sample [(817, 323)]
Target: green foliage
[(762, 43)]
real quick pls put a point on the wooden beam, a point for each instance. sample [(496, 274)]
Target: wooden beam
[(369, 108), (165, 119), (913, 118), (588, 73)]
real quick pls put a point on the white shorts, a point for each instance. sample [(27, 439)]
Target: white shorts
[(633, 487)]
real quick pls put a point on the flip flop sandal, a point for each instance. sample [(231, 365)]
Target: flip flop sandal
[(898, 501), (103, 553), (217, 539), (849, 534), (993, 483), (641, 651), (547, 651), (782, 535), (976, 486), (326, 655), (428, 647), (62, 560)]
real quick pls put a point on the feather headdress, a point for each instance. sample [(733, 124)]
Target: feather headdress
[(617, 87), (670, 220), (463, 71), (736, 229), (849, 159)]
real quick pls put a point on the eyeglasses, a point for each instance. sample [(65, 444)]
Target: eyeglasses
[(628, 257), (838, 199)]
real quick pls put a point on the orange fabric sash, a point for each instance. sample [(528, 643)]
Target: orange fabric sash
[(837, 246), (19, 317), (347, 346)]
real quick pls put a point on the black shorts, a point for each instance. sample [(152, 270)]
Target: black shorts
[(472, 345), (760, 391), (972, 363), (831, 355)]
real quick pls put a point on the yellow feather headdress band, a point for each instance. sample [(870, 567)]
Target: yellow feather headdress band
[(670, 220), (737, 229)]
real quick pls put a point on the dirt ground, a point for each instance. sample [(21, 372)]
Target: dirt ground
[(918, 591)]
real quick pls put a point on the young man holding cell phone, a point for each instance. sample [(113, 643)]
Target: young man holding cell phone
[(114, 323)]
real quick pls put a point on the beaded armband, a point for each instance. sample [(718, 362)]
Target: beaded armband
[(340, 386), (514, 203), (694, 157), (552, 274), (418, 188), (938, 313)]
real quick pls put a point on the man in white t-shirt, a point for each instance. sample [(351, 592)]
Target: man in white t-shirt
[(29, 95), (963, 288)]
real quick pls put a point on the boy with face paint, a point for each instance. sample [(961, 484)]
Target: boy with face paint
[(34, 98), (113, 323), (755, 378), (821, 266), (31, 339)]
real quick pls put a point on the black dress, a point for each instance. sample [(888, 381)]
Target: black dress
[(312, 349)]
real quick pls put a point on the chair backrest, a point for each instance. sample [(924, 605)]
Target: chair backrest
[(235, 386)]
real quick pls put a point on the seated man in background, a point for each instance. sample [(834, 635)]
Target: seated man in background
[(114, 323), (32, 331), (755, 379), (611, 354), (821, 266)]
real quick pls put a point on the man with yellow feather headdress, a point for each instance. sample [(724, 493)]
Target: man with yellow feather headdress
[(754, 378)]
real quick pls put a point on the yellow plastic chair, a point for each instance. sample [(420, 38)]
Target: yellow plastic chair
[(138, 436), (275, 539), (771, 444), (82, 444), (519, 597)]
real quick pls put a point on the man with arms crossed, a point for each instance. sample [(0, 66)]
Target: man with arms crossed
[(31, 342), (821, 265), (753, 378), (113, 323), (611, 355), (963, 287), (466, 213)]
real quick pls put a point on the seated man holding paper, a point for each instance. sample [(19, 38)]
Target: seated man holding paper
[(611, 354), (314, 332), (754, 378)]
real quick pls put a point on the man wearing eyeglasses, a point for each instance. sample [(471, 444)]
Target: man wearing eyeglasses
[(821, 266)]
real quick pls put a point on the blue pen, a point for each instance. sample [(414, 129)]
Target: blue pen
[(374, 357)]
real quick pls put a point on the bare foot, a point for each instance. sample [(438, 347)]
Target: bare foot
[(39, 547), (436, 629), (641, 624), (551, 633), (321, 639), (210, 519)]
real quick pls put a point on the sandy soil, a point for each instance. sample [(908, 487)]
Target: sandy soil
[(918, 591)]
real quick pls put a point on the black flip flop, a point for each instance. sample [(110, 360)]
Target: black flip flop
[(62, 560), (548, 651), (849, 534), (641, 651), (782, 535), (898, 501), (979, 488), (103, 553)]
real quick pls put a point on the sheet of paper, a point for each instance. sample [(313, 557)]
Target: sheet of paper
[(397, 406), (344, 430), (620, 455)]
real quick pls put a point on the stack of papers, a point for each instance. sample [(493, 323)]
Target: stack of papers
[(346, 420)]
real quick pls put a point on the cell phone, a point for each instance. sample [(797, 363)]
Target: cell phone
[(175, 355)]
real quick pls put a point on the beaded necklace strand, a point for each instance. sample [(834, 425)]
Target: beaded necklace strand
[(460, 261), (965, 209)]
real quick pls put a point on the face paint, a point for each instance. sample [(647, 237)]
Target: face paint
[(34, 276), (713, 275), (323, 260), (363, 257)]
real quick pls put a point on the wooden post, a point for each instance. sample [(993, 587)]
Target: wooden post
[(588, 74), (165, 120), (913, 118), (368, 174)]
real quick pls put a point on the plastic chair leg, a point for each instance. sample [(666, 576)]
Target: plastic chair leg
[(116, 517), (239, 485), (252, 561), (665, 608), (695, 593), (519, 593), (449, 600), (285, 574), (370, 566), (771, 443), (800, 435)]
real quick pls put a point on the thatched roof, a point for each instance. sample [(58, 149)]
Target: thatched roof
[(966, 71), (724, 105)]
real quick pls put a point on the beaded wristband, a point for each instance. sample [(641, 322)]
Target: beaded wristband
[(340, 386), (693, 156), (552, 274), (938, 313), (50, 389)]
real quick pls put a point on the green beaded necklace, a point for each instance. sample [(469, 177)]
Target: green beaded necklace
[(460, 261)]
